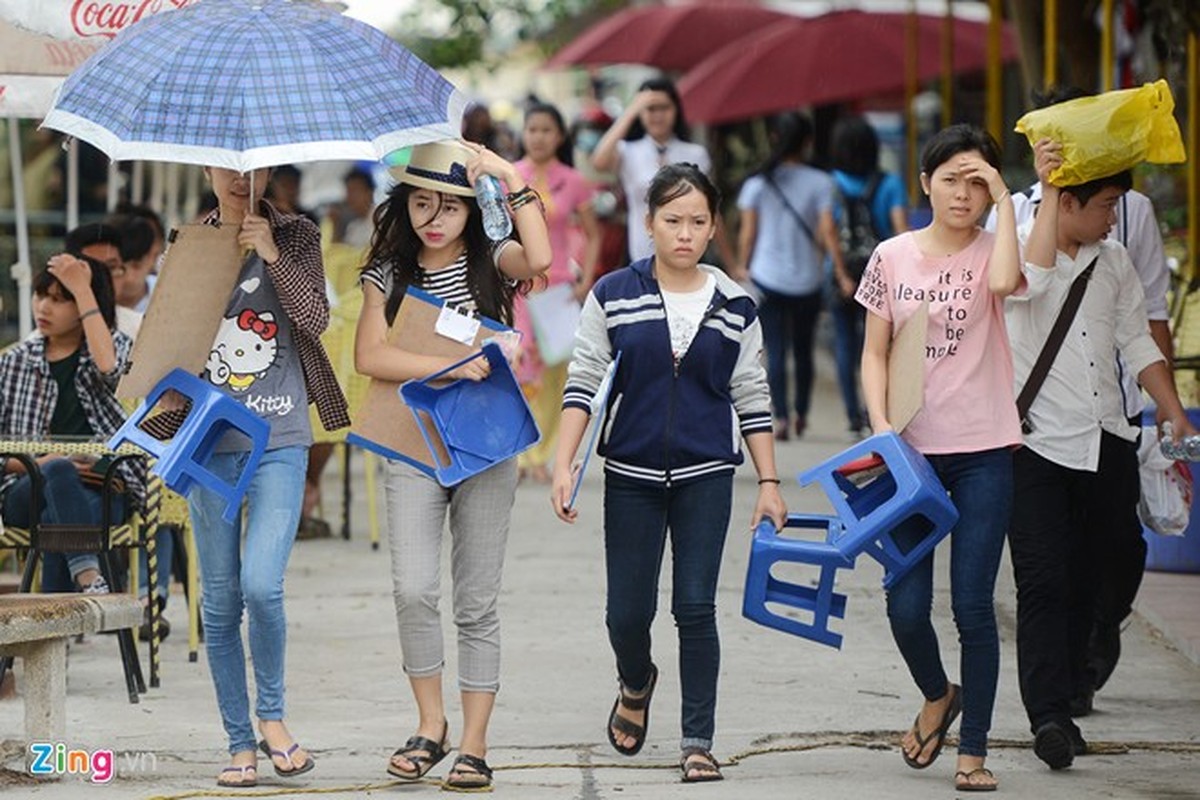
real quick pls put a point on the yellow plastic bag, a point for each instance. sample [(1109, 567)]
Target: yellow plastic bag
[(1109, 132)]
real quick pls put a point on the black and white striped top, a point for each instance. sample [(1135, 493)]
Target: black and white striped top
[(448, 283)]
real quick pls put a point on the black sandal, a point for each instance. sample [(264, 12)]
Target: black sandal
[(624, 726), (434, 752), (701, 762), (477, 779)]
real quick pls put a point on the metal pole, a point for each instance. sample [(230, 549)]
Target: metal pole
[(137, 179), (1050, 44), (910, 93), (1106, 45), (995, 75), (114, 187), (948, 65), (22, 271), (72, 183)]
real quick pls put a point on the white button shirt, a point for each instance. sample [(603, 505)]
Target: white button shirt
[(1081, 396), (640, 161)]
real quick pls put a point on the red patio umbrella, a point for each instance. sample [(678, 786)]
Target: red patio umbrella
[(670, 37), (834, 57)]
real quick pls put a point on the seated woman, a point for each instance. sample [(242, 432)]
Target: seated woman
[(61, 382)]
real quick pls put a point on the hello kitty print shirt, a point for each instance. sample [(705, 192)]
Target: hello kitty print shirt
[(254, 360)]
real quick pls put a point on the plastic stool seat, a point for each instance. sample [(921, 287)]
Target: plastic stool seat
[(478, 424), (906, 487), (769, 548), (181, 459)]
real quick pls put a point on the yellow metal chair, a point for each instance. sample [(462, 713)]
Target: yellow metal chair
[(136, 531)]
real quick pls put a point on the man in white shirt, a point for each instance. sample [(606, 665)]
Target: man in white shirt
[(1073, 478), (1121, 566)]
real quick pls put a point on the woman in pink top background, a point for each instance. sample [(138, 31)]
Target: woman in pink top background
[(575, 244), (967, 427)]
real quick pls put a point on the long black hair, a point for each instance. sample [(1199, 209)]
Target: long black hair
[(855, 149), (666, 86), (791, 134), (396, 243), (566, 148)]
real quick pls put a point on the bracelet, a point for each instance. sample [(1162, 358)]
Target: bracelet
[(1001, 197), (761, 481), (523, 197), (88, 313)]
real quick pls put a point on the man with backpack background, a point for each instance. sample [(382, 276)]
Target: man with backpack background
[(870, 207)]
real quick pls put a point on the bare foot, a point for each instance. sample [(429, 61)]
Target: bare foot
[(636, 716), (241, 770), (415, 762)]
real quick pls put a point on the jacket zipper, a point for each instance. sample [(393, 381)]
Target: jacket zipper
[(675, 366)]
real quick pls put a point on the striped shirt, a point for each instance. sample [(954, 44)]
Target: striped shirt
[(448, 284)]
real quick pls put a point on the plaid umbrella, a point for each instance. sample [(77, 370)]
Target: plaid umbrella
[(244, 84)]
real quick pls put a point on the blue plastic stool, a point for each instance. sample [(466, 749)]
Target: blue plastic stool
[(470, 426), (904, 487), (181, 459), (770, 548)]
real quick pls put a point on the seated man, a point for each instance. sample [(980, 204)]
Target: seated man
[(61, 382)]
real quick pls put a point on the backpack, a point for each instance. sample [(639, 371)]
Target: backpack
[(857, 228)]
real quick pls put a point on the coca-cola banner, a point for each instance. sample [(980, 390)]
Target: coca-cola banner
[(82, 19)]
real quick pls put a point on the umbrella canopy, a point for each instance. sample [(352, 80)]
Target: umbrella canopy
[(834, 57), (670, 37), (244, 84)]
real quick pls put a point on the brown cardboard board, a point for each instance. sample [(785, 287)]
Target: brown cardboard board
[(383, 422), (906, 369), (195, 281)]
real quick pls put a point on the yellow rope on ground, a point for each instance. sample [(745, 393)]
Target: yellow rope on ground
[(872, 741)]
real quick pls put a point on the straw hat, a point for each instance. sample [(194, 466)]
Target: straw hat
[(440, 166)]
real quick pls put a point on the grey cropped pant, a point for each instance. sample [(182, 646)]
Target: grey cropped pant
[(480, 508)]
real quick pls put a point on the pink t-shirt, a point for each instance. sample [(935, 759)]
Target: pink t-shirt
[(563, 190), (969, 403)]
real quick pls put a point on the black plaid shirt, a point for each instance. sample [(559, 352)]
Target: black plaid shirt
[(28, 395)]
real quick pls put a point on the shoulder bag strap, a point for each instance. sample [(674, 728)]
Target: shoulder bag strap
[(1058, 333), (804, 226)]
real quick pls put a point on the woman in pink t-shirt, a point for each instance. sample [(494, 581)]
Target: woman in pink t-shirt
[(966, 427), (567, 198)]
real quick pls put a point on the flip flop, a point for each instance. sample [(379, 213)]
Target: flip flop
[(242, 770), (962, 781), (948, 718), (624, 726), (286, 755), (435, 751)]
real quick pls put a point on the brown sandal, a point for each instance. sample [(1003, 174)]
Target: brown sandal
[(411, 752), (699, 761), (639, 703), (962, 781)]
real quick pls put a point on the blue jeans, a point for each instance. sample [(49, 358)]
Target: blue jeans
[(981, 486), (65, 499), (789, 322), (849, 319), (236, 576), (637, 517)]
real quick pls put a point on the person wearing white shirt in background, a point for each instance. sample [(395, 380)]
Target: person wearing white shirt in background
[(651, 133), (1122, 565), (1073, 477)]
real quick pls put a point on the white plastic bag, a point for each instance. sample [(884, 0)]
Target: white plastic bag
[(1166, 503)]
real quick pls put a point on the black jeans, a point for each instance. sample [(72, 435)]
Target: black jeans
[(789, 322), (1062, 520)]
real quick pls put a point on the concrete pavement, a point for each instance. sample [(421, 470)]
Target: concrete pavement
[(795, 719)]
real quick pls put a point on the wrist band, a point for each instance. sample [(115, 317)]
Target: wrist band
[(523, 197), (88, 313), (761, 481)]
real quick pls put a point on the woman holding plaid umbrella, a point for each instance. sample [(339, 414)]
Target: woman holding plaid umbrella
[(266, 355)]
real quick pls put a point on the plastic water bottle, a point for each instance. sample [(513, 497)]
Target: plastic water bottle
[(1185, 449), (496, 222)]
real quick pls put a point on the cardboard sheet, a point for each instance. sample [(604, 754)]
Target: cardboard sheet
[(906, 369), (195, 281), (383, 423)]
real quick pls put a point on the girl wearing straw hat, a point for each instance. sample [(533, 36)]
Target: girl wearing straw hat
[(429, 234)]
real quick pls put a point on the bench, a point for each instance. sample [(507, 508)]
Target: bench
[(35, 627)]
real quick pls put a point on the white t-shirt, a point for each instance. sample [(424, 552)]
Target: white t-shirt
[(640, 161), (685, 310)]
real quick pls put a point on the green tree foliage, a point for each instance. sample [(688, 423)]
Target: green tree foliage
[(462, 33)]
